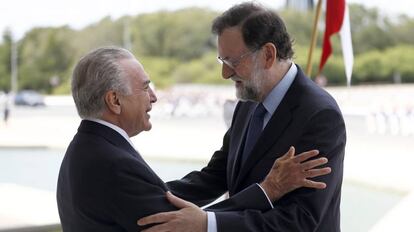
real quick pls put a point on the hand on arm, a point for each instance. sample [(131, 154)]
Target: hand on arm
[(190, 218), (290, 172)]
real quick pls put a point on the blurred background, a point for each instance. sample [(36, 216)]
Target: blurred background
[(42, 40)]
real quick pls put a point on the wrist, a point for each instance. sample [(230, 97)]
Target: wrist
[(272, 190), (204, 223)]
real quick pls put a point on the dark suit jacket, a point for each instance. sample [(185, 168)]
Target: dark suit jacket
[(307, 118), (105, 185)]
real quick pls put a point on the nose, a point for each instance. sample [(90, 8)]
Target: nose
[(153, 97), (226, 71)]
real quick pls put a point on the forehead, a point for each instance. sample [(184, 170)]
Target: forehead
[(135, 71), (230, 42)]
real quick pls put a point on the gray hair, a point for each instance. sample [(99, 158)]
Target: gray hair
[(96, 73)]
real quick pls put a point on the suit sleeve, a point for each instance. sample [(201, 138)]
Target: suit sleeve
[(251, 197), (136, 193), (302, 209), (205, 186)]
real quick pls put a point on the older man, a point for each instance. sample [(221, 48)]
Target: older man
[(104, 184), (279, 107), (101, 171)]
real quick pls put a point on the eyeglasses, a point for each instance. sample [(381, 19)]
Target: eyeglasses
[(234, 62)]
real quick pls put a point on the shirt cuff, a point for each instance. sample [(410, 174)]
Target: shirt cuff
[(211, 222), (264, 192)]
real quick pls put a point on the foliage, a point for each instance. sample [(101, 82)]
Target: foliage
[(203, 70), (159, 70), (183, 34), (45, 58), (299, 25), (381, 66), (177, 47), (5, 61)]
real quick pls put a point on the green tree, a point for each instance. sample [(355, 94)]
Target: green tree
[(106, 32), (203, 70), (46, 56), (299, 25), (183, 34), (403, 32), (159, 69), (370, 30), (5, 60)]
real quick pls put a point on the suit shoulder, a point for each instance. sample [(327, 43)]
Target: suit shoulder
[(93, 154), (313, 98)]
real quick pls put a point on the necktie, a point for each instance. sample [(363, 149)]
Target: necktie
[(253, 133)]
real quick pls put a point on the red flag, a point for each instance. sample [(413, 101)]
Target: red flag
[(337, 20)]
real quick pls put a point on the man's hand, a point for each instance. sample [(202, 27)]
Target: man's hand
[(190, 218), (290, 172)]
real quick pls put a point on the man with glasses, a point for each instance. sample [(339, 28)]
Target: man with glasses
[(279, 107)]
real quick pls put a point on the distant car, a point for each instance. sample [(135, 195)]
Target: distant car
[(29, 98)]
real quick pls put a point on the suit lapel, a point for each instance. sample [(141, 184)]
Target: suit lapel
[(273, 131), (236, 143)]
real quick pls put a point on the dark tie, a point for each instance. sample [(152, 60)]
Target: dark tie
[(253, 133)]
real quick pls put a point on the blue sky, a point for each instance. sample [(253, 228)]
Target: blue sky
[(22, 15)]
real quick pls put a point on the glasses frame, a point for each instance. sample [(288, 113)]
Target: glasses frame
[(234, 62)]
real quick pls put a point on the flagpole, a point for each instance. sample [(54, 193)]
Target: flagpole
[(314, 38)]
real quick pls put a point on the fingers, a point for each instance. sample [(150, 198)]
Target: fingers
[(317, 172), (178, 202), (306, 155), (288, 155), (156, 218), (314, 163), (291, 152), (166, 216), (314, 184)]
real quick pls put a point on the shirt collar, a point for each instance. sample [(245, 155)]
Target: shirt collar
[(276, 95), (114, 127)]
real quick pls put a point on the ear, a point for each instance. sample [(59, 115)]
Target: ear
[(113, 102), (270, 52)]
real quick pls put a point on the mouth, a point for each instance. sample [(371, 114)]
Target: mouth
[(238, 83), (148, 110)]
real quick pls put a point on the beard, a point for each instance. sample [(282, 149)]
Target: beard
[(251, 89)]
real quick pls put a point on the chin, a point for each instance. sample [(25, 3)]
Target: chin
[(148, 127), (241, 95)]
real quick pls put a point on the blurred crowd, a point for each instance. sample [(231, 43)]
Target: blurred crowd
[(193, 101), (391, 119), (387, 109)]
